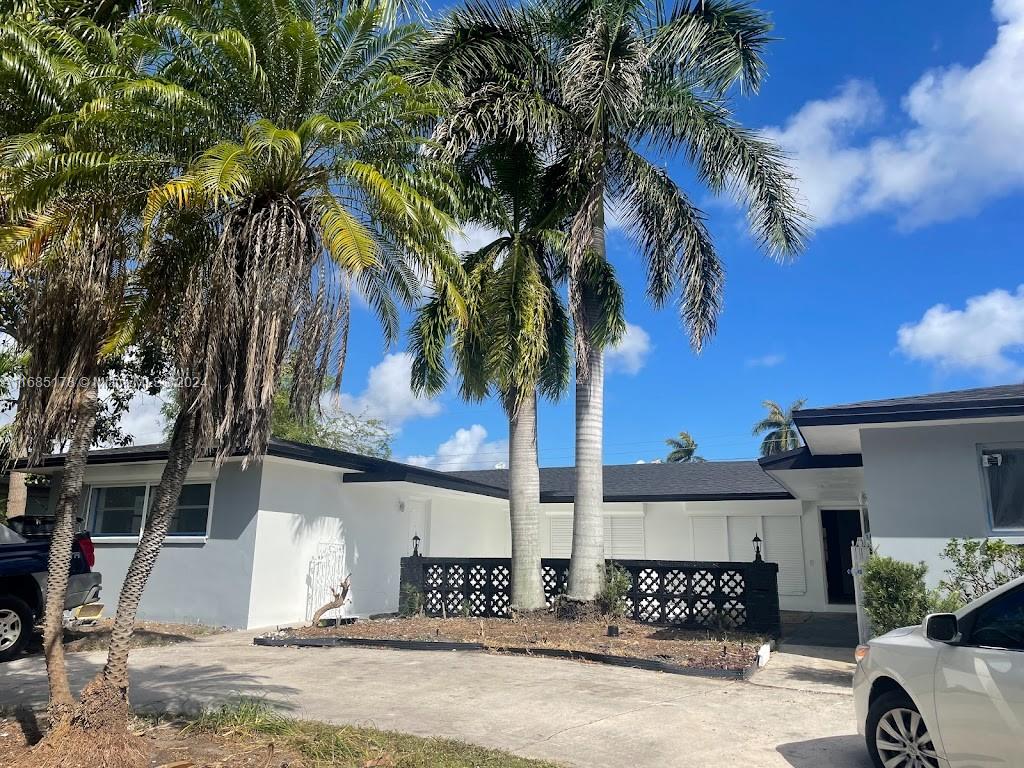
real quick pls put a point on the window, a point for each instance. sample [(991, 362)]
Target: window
[(1000, 624), (1004, 477), (119, 510), (193, 511)]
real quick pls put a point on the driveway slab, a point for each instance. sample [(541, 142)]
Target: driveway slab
[(569, 712)]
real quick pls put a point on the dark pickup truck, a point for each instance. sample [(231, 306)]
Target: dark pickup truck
[(23, 565)]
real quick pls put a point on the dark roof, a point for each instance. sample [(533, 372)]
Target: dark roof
[(697, 481), (371, 468), (1006, 400), (802, 458)]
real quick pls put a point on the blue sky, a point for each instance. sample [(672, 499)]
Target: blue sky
[(905, 123)]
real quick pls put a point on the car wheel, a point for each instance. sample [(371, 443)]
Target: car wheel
[(896, 734), (15, 626)]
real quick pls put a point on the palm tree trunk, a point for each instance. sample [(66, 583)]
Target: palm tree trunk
[(586, 567), (105, 700), (59, 563), (524, 506), (17, 493)]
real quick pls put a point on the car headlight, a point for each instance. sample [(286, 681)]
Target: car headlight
[(861, 653)]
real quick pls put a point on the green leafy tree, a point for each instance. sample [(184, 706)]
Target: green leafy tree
[(977, 566), (68, 198), (779, 430), (318, 174), (601, 82), (514, 336), (684, 449)]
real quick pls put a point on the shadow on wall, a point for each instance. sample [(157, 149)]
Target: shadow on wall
[(162, 689), (831, 751)]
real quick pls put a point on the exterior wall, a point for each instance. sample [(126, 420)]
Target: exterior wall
[(925, 486), (723, 530), (302, 506), (201, 582), (470, 526)]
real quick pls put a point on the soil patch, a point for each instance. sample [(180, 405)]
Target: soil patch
[(686, 648), (94, 637)]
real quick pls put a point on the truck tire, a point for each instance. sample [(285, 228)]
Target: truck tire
[(16, 623)]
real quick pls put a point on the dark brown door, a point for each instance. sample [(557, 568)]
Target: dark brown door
[(840, 528)]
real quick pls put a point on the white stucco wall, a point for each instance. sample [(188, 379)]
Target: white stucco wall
[(924, 485), (304, 505), (204, 582)]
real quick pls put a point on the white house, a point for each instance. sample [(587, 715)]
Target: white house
[(260, 547)]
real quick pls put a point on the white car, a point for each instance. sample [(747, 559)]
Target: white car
[(948, 693)]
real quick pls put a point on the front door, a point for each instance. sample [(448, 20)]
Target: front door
[(840, 529)]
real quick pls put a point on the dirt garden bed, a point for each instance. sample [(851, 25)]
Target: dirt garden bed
[(661, 646), (96, 636)]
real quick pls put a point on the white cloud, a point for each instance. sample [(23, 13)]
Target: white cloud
[(630, 354), (765, 361), (466, 449), (960, 150), (388, 395), (143, 420), (982, 337)]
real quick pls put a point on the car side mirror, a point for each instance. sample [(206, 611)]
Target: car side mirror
[(941, 627)]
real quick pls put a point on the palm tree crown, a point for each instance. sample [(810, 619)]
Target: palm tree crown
[(779, 430), (684, 449)]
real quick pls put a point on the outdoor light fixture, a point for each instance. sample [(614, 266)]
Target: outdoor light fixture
[(757, 548), (416, 545)]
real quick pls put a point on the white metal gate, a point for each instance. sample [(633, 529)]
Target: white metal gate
[(860, 551), (326, 571)]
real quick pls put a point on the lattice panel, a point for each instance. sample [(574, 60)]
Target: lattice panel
[(703, 583), (648, 582), (677, 593), (734, 614), (732, 583), (674, 582)]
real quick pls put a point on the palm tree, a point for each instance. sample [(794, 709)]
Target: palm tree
[(66, 246), (684, 449), (320, 174), (515, 334), (597, 80), (779, 430)]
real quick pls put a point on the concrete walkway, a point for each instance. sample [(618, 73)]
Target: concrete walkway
[(568, 712)]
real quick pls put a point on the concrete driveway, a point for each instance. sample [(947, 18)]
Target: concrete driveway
[(798, 711)]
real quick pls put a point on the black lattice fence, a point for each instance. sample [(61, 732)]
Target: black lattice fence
[(699, 595)]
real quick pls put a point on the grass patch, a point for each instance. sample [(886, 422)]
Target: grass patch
[(321, 745)]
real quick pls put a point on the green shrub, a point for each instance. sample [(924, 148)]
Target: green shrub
[(410, 600), (981, 565), (894, 593), (612, 599)]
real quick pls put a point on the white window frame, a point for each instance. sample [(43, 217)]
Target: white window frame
[(150, 485), (986, 490)]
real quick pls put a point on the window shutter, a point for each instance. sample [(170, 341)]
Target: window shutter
[(560, 532), (710, 538), (626, 541), (783, 544)]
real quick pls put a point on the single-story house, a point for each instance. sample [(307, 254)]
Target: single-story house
[(262, 546)]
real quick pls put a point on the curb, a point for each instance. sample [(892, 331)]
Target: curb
[(556, 653)]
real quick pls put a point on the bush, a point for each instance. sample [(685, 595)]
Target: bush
[(979, 566), (410, 600), (612, 598), (895, 594)]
